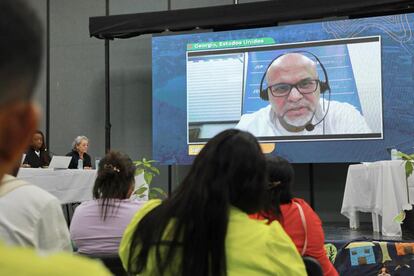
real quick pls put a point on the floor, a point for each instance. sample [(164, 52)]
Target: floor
[(341, 231)]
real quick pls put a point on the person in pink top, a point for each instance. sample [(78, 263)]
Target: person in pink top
[(97, 225), (297, 218)]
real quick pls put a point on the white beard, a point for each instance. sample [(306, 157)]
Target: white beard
[(298, 122)]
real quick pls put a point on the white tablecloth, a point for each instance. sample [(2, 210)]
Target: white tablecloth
[(67, 185), (381, 189)]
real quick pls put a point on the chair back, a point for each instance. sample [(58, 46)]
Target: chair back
[(313, 268), (112, 262)]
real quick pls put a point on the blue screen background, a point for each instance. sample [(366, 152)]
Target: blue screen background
[(397, 49)]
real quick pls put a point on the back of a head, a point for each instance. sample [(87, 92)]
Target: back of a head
[(229, 170), (231, 166), (279, 169), (20, 50), (20, 59), (115, 179), (280, 176)]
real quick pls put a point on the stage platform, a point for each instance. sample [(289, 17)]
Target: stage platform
[(341, 231)]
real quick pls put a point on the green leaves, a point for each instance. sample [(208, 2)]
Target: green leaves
[(146, 167), (155, 170), (156, 193), (140, 190), (409, 158), (408, 168), (405, 156), (139, 171), (160, 191), (148, 177)]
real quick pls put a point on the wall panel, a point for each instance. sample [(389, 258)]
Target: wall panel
[(76, 76)]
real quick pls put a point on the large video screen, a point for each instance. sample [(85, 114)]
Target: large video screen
[(337, 91)]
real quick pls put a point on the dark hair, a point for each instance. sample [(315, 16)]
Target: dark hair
[(280, 176), (115, 177), (44, 155), (229, 170), (20, 49), (43, 147)]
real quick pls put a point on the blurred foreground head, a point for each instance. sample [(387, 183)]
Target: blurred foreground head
[(20, 59)]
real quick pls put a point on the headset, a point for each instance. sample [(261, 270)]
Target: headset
[(324, 85)]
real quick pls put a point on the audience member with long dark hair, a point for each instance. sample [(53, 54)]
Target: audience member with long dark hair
[(298, 219), (37, 155), (97, 225), (204, 228)]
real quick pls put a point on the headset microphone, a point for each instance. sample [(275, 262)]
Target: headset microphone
[(310, 126)]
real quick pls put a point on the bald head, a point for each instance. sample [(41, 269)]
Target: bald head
[(289, 62)]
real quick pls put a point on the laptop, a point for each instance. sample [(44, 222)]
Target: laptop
[(60, 162)]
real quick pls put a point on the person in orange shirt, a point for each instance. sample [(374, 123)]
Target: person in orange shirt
[(297, 218)]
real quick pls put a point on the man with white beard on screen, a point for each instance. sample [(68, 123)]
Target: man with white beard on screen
[(295, 106)]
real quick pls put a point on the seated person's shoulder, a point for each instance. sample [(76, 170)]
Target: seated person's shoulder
[(343, 105), (22, 191), (37, 192), (343, 110), (130, 230), (146, 208), (23, 261), (241, 224), (259, 230), (301, 202), (135, 203), (249, 118), (312, 216), (250, 237)]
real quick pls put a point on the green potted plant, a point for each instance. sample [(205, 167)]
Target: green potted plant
[(409, 158), (146, 168), (406, 216)]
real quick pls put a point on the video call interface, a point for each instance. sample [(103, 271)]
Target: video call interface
[(358, 92), (224, 84)]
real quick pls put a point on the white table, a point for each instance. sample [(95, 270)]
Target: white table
[(379, 188), (67, 185)]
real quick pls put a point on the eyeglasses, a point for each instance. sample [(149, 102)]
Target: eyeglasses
[(305, 86)]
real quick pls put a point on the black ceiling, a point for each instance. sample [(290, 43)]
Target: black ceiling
[(256, 14)]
